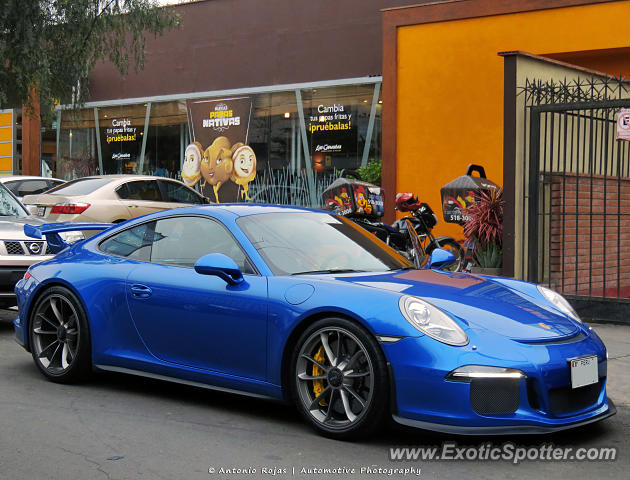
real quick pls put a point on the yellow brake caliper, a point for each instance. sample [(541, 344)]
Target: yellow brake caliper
[(318, 385)]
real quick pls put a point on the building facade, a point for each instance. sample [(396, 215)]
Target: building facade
[(299, 83)]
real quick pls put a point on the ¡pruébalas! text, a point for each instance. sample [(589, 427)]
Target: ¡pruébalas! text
[(329, 126), (121, 138)]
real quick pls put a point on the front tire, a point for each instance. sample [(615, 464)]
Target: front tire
[(339, 379), (59, 336)]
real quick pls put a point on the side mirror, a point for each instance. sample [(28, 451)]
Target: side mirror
[(440, 258), (220, 265)]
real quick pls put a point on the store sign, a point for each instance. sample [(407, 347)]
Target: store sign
[(333, 130), (121, 144), (121, 131), (623, 124), (218, 160)]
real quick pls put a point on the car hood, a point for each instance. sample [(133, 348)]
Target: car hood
[(508, 307), (12, 228)]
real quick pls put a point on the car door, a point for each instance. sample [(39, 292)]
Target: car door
[(141, 197), (199, 320)]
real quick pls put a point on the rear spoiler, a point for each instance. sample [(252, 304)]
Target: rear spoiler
[(51, 232)]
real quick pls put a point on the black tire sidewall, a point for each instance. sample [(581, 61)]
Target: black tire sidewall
[(82, 364), (373, 418)]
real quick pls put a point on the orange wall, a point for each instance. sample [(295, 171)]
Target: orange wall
[(450, 87), (614, 61)]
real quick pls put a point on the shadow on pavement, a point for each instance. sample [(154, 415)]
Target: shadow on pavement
[(286, 415)]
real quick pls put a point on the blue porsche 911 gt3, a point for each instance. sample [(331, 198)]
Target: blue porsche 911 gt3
[(305, 306)]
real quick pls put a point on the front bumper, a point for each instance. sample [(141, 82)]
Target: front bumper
[(543, 401), (605, 411), (13, 267), (9, 276)]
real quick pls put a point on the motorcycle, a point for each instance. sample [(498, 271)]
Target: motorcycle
[(412, 235)]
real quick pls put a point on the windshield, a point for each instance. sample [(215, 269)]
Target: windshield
[(9, 205), (310, 242), (81, 186)]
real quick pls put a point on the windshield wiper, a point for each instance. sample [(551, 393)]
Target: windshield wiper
[(331, 270)]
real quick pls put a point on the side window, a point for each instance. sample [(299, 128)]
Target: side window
[(134, 243), (13, 186), (182, 241), (140, 190), (178, 193)]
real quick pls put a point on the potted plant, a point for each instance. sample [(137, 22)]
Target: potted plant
[(484, 228)]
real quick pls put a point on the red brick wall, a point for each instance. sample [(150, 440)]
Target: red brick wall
[(590, 241)]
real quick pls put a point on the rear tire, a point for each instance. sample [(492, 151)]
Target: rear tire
[(339, 379), (60, 337)]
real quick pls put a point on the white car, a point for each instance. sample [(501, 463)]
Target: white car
[(21, 185), (17, 251), (111, 198)]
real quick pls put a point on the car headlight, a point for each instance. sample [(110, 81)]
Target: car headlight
[(71, 237), (432, 321), (559, 302)]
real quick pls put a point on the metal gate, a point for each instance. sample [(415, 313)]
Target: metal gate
[(577, 204)]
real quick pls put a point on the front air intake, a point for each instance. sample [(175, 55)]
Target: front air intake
[(494, 396)]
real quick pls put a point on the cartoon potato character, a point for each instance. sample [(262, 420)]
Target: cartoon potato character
[(216, 165), (244, 172), (191, 173)]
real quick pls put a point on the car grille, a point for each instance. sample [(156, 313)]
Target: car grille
[(566, 399), (26, 248), (494, 396), (14, 248)]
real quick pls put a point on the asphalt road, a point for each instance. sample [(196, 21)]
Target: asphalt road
[(124, 427)]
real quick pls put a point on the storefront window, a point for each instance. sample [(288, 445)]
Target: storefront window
[(77, 149), (166, 134), (281, 147), (121, 132)]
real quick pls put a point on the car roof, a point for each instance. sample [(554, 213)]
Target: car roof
[(124, 176), (245, 209), (6, 178), (119, 177)]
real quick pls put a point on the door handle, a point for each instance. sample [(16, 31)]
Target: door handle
[(141, 291)]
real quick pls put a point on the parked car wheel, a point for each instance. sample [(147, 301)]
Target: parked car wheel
[(339, 379), (60, 341)]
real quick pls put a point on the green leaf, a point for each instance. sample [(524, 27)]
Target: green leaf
[(371, 172), (49, 47)]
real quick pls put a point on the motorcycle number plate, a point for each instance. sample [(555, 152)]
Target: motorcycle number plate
[(583, 371), (41, 211)]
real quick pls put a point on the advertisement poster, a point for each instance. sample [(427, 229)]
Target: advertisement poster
[(121, 145), (219, 161), (333, 133)]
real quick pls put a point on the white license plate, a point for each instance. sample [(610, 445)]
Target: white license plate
[(41, 211), (583, 371)]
